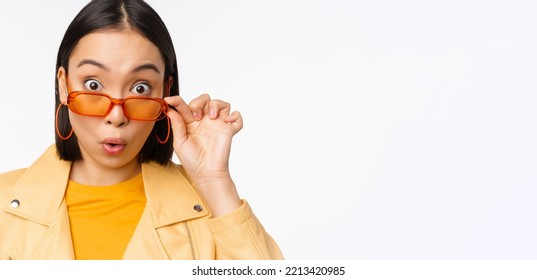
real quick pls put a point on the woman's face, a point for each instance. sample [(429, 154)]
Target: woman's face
[(120, 64)]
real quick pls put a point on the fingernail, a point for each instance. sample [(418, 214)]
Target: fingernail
[(195, 115), (212, 112)]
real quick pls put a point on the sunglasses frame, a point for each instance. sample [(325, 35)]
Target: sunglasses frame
[(114, 101)]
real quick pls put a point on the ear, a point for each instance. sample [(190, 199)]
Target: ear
[(62, 85), (169, 86)]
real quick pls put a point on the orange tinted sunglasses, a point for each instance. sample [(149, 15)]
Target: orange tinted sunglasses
[(99, 104)]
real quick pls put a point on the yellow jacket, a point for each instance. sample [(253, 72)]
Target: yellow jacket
[(34, 223)]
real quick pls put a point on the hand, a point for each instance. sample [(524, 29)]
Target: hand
[(202, 132)]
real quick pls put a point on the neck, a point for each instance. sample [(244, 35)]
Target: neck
[(89, 173)]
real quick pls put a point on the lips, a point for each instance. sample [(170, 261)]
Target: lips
[(114, 146)]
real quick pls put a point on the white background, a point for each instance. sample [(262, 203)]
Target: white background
[(373, 129)]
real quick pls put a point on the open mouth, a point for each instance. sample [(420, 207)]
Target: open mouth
[(114, 146), (114, 149)]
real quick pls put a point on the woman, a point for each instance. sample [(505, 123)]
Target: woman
[(107, 189)]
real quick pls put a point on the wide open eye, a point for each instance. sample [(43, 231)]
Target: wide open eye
[(141, 88), (93, 85)]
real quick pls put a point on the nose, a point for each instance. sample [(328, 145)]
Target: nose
[(117, 116)]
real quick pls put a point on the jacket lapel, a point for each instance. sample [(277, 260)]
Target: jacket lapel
[(171, 200)]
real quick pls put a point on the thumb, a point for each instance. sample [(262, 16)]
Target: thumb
[(178, 126)]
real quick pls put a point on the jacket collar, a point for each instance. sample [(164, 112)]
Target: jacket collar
[(171, 198), (41, 188)]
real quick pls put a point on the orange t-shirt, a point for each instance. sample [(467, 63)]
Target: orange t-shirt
[(103, 219)]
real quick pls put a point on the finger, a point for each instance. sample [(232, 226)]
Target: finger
[(235, 120), (179, 104), (233, 117), (178, 126), (200, 106), (218, 108)]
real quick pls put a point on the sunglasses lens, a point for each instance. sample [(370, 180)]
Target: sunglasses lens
[(90, 104), (143, 109), (98, 105)]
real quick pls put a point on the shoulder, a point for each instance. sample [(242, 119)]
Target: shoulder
[(11, 175), (8, 180), (48, 169)]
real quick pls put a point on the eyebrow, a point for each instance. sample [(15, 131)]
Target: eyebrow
[(149, 66), (92, 62), (142, 67)]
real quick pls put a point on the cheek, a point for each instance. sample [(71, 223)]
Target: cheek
[(143, 129), (83, 125)]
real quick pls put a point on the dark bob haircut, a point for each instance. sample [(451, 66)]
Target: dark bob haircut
[(118, 15)]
